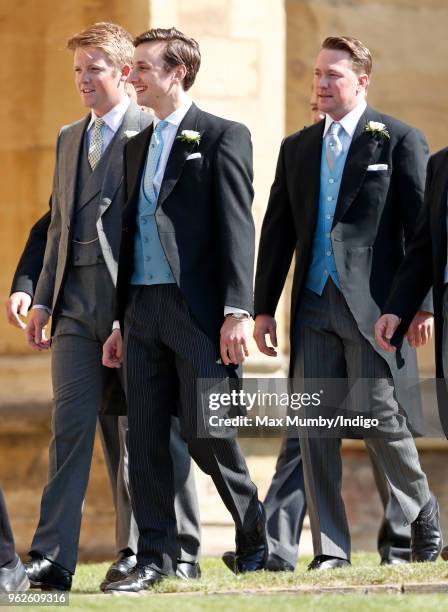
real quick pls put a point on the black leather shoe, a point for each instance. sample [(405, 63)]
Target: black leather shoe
[(393, 561), (188, 571), (324, 562), (273, 564), (44, 574), (229, 560), (252, 546), (277, 564), (141, 578), (13, 577), (426, 537), (119, 569)]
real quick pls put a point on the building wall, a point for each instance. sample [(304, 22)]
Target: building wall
[(257, 68)]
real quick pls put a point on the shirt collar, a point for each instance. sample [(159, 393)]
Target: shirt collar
[(349, 121), (177, 116), (114, 117)]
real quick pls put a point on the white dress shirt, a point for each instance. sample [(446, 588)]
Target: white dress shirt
[(112, 121), (348, 122)]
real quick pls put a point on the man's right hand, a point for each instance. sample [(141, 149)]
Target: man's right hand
[(385, 328), (35, 330), (113, 350), (17, 306), (265, 324)]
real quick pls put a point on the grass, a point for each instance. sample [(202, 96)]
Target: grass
[(216, 577), (219, 590), (263, 603)]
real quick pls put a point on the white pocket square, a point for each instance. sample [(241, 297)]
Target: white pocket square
[(193, 156), (376, 167)]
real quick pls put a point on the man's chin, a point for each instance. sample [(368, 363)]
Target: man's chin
[(142, 100)]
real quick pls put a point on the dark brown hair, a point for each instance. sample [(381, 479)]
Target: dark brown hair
[(359, 53), (180, 49), (111, 38)]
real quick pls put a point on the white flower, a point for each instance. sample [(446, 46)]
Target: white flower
[(190, 136), (130, 133), (376, 127)]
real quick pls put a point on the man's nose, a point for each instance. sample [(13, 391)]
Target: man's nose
[(132, 78)]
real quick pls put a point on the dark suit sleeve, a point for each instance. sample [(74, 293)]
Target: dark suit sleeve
[(234, 194), (411, 159), (31, 260), (414, 276), (277, 243)]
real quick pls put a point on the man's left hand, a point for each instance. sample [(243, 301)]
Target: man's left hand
[(420, 330), (233, 343)]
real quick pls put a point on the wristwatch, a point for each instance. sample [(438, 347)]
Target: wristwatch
[(239, 316)]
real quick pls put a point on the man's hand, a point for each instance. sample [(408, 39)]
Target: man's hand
[(233, 342), (113, 350), (17, 306), (385, 328), (265, 324), (420, 330), (35, 330)]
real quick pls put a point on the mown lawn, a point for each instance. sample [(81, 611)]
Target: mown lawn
[(219, 590)]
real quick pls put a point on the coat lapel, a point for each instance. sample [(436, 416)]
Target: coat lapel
[(308, 179), (438, 222), (114, 170), (136, 153), (73, 142), (360, 153), (178, 155)]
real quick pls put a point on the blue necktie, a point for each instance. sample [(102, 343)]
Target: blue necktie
[(333, 145), (152, 161)]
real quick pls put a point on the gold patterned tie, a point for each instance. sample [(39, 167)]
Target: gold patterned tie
[(96, 143)]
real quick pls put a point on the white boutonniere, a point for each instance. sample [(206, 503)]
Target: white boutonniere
[(375, 127), (190, 136), (130, 133)]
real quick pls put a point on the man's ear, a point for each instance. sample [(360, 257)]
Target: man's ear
[(363, 81), (125, 72), (179, 73)]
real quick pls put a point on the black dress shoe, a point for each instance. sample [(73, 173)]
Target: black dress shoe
[(119, 569), (277, 564), (13, 577), (393, 561), (426, 537), (252, 546), (45, 574), (323, 562), (140, 578), (188, 571), (229, 560)]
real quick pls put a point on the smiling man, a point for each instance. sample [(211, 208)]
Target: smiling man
[(346, 192), (76, 286), (184, 294)]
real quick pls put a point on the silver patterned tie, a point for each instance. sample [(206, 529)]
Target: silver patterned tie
[(96, 143), (333, 145), (152, 161)]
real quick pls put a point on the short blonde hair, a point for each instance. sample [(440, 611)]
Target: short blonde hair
[(359, 53), (115, 41)]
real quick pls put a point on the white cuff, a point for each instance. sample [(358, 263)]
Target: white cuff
[(41, 307), (231, 309)]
